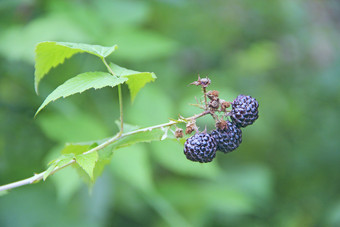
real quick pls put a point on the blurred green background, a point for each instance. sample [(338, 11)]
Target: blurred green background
[(283, 52)]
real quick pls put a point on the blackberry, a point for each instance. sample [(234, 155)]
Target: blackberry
[(244, 110), (200, 147), (228, 139)]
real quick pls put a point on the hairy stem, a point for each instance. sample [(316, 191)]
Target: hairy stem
[(40, 176)]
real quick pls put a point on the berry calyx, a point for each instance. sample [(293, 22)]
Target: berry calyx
[(179, 133)]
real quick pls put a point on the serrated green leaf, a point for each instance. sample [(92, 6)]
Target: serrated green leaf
[(136, 80), (97, 50), (64, 159), (89, 166), (87, 162), (144, 136), (81, 83), (51, 54), (59, 162), (75, 149), (104, 158), (49, 170)]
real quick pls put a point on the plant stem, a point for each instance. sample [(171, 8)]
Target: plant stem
[(120, 109), (205, 97), (108, 67), (40, 176), (120, 96)]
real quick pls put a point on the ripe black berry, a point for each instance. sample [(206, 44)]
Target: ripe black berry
[(200, 147), (244, 110), (228, 139)]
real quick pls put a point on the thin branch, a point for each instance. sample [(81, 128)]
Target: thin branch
[(40, 176), (120, 96), (205, 97)]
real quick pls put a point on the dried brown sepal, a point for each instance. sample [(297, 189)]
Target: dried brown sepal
[(190, 127), (214, 104), (204, 82), (225, 105), (179, 133), (213, 95), (222, 125)]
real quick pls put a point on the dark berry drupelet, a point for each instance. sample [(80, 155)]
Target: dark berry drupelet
[(244, 110), (200, 147), (229, 139)]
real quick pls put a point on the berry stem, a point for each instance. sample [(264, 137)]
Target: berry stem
[(196, 116), (205, 97), (197, 105)]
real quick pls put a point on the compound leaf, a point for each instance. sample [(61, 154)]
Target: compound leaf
[(80, 83), (51, 54)]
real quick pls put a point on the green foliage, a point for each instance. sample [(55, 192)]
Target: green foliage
[(136, 80), (144, 135), (272, 50), (87, 162), (51, 54), (60, 162), (80, 83)]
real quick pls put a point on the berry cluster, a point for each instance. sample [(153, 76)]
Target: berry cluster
[(227, 136)]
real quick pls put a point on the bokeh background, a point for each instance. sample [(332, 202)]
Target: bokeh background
[(283, 52)]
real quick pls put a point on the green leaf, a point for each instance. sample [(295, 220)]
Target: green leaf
[(75, 149), (89, 166), (144, 136), (104, 158), (88, 162), (97, 50), (51, 54), (136, 80), (62, 160), (80, 83), (49, 170), (127, 127)]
